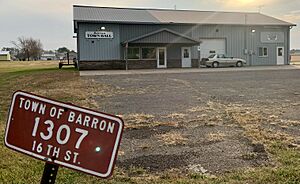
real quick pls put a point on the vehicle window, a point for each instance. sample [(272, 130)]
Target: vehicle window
[(211, 56)]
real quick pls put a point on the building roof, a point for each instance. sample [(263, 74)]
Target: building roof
[(167, 16), (4, 52), (163, 36), (48, 55)]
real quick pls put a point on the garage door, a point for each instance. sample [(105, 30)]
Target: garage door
[(212, 46)]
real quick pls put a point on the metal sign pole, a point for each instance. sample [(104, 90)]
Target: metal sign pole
[(68, 56), (49, 174)]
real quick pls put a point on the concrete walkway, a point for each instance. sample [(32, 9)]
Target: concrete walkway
[(185, 70)]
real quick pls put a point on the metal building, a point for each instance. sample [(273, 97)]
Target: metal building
[(116, 38), (5, 56)]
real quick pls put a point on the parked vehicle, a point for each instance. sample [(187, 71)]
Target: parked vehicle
[(217, 60)]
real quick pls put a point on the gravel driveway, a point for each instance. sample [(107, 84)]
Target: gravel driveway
[(193, 122)]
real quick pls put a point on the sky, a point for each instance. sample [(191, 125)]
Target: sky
[(51, 21)]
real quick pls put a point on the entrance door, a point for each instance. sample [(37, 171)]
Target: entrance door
[(161, 57), (280, 55), (186, 57)]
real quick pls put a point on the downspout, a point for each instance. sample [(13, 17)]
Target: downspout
[(245, 41), (126, 55), (288, 45)]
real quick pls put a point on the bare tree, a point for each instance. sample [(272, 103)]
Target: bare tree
[(29, 48)]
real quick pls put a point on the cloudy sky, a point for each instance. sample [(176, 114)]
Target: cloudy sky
[(51, 20)]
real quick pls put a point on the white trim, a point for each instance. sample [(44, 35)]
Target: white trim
[(104, 175), (282, 63), (157, 59), (182, 58), (263, 56)]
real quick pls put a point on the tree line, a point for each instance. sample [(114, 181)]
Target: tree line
[(29, 49)]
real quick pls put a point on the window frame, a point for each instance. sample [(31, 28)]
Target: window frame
[(155, 48), (132, 48), (263, 52)]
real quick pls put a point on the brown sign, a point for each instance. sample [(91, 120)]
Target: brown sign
[(63, 134)]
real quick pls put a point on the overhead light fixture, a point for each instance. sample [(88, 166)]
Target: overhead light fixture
[(253, 30), (102, 28)]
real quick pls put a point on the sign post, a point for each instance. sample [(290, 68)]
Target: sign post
[(63, 135), (49, 174)]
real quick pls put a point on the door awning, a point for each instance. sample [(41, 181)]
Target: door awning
[(163, 36)]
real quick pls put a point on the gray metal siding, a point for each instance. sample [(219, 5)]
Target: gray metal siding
[(254, 42), (173, 52), (164, 37), (101, 49), (105, 49), (233, 34)]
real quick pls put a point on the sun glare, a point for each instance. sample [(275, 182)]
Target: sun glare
[(246, 1)]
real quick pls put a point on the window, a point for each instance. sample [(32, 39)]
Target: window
[(133, 53), (221, 56), (263, 52), (186, 53), (280, 51), (148, 53), (212, 56)]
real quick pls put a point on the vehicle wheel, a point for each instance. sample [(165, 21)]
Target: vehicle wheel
[(239, 64), (215, 65)]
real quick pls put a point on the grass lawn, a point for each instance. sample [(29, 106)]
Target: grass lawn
[(44, 78)]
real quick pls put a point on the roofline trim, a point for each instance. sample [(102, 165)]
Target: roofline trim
[(158, 31), (174, 23), (158, 9)]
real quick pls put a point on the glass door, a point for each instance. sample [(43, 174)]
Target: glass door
[(161, 57)]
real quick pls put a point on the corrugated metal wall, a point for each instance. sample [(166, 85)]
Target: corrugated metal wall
[(235, 40), (254, 42), (163, 37), (99, 49)]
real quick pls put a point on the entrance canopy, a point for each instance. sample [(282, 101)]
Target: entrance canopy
[(163, 36)]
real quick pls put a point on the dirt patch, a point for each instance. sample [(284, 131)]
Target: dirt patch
[(155, 163), (146, 132), (172, 138)]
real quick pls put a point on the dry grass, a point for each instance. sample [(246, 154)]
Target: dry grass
[(175, 116), (216, 137), (145, 120), (252, 120), (172, 138), (139, 119), (196, 109), (13, 66)]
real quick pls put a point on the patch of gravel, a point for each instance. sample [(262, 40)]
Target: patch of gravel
[(205, 109)]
